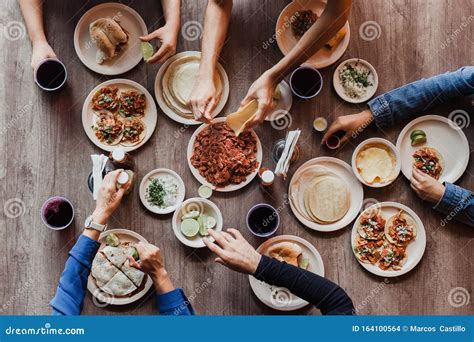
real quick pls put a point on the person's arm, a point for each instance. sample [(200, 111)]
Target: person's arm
[(415, 98), (331, 21), (328, 297), (168, 34), (169, 299), (71, 290), (235, 252), (32, 11), (216, 22)]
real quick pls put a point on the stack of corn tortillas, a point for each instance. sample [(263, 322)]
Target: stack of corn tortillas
[(319, 195), (178, 82)]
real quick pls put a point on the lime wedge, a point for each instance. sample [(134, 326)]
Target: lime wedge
[(205, 191), (189, 227), (134, 253), (417, 132), (304, 264), (210, 222), (147, 50), (112, 240), (193, 214), (202, 226), (418, 139)]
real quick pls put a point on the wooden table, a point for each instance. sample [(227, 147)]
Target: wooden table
[(45, 152)]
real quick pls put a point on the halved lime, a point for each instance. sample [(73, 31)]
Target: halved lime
[(202, 225), (112, 240), (205, 191), (418, 139), (417, 132), (193, 214), (210, 222), (189, 227), (147, 50), (134, 253)]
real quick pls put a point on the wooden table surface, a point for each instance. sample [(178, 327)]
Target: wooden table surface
[(44, 151)]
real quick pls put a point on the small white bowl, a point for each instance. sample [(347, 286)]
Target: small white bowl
[(146, 181), (340, 89), (376, 141), (204, 206)]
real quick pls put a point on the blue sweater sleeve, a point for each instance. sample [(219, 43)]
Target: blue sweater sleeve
[(71, 290), (456, 203), (174, 303), (415, 98), (321, 292)]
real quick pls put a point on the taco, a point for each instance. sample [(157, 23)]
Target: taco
[(392, 257), (400, 229), (134, 131), (108, 128), (429, 161), (132, 103), (105, 99), (368, 251), (371, 225)]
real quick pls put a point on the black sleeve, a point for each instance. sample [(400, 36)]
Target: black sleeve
[(328, 297)]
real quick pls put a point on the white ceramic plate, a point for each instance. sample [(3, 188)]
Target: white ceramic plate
[(204, 206), (280, 298), (106, 299), (127, 59), (231, 187), (286, 40), (340, 89), (442, 134), (146, 182), (149, 118), (284, 104), (380, 141), (415, 249), (170, 112), (344, 171)]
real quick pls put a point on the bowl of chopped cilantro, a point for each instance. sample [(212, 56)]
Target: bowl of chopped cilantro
[(162, 191), (355, 80)]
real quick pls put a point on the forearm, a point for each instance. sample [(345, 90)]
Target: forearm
[(324, 294), (216, 23), (170, 300), (333, 18), (415, 98), (32, 11), (171, 10), (457, 203)]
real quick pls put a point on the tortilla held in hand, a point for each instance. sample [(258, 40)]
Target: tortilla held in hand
[(429, 161)]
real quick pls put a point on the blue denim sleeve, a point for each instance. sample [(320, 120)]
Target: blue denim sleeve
[(174, 303), (457, 203), (71, 290), (414, 98)]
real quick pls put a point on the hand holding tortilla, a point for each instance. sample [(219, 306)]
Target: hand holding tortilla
[(428, 160), (426, 187)]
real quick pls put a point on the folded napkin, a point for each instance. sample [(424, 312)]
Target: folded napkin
[(284, 162), (98, 166)]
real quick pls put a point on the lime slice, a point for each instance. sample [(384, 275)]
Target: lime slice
[(205, 191), (147, 50), (417, 132), (202, 225), (193, 214), (112, 240), (304, 264), (418, 139), (134, 253), (210, 222), (189, 227)]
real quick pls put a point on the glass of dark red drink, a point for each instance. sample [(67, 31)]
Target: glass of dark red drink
[(306, 82), (50, 74), (57, 213), (263, 220)]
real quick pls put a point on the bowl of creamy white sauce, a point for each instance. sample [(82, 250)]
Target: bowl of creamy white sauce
[(355, 80)]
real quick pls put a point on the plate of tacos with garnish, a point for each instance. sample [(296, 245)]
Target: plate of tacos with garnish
[(436, 146), (119, 112), (388, 239)]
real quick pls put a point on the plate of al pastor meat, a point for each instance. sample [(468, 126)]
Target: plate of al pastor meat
[(220, 159)]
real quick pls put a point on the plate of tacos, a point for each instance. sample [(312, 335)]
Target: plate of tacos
[(388, 239), (436, 146), (119, 112)]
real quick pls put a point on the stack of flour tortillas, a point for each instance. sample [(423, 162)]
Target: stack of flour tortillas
[(319, 195), (178, 82)]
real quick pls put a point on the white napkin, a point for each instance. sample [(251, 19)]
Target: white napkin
[(98, 166), (284, 162)]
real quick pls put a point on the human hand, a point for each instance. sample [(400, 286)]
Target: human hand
[(351, 124), (168, 36), (426, 187), (233, 251), (152, 263), (108, 198), (41, 51), (261, 90), (203, 98)]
